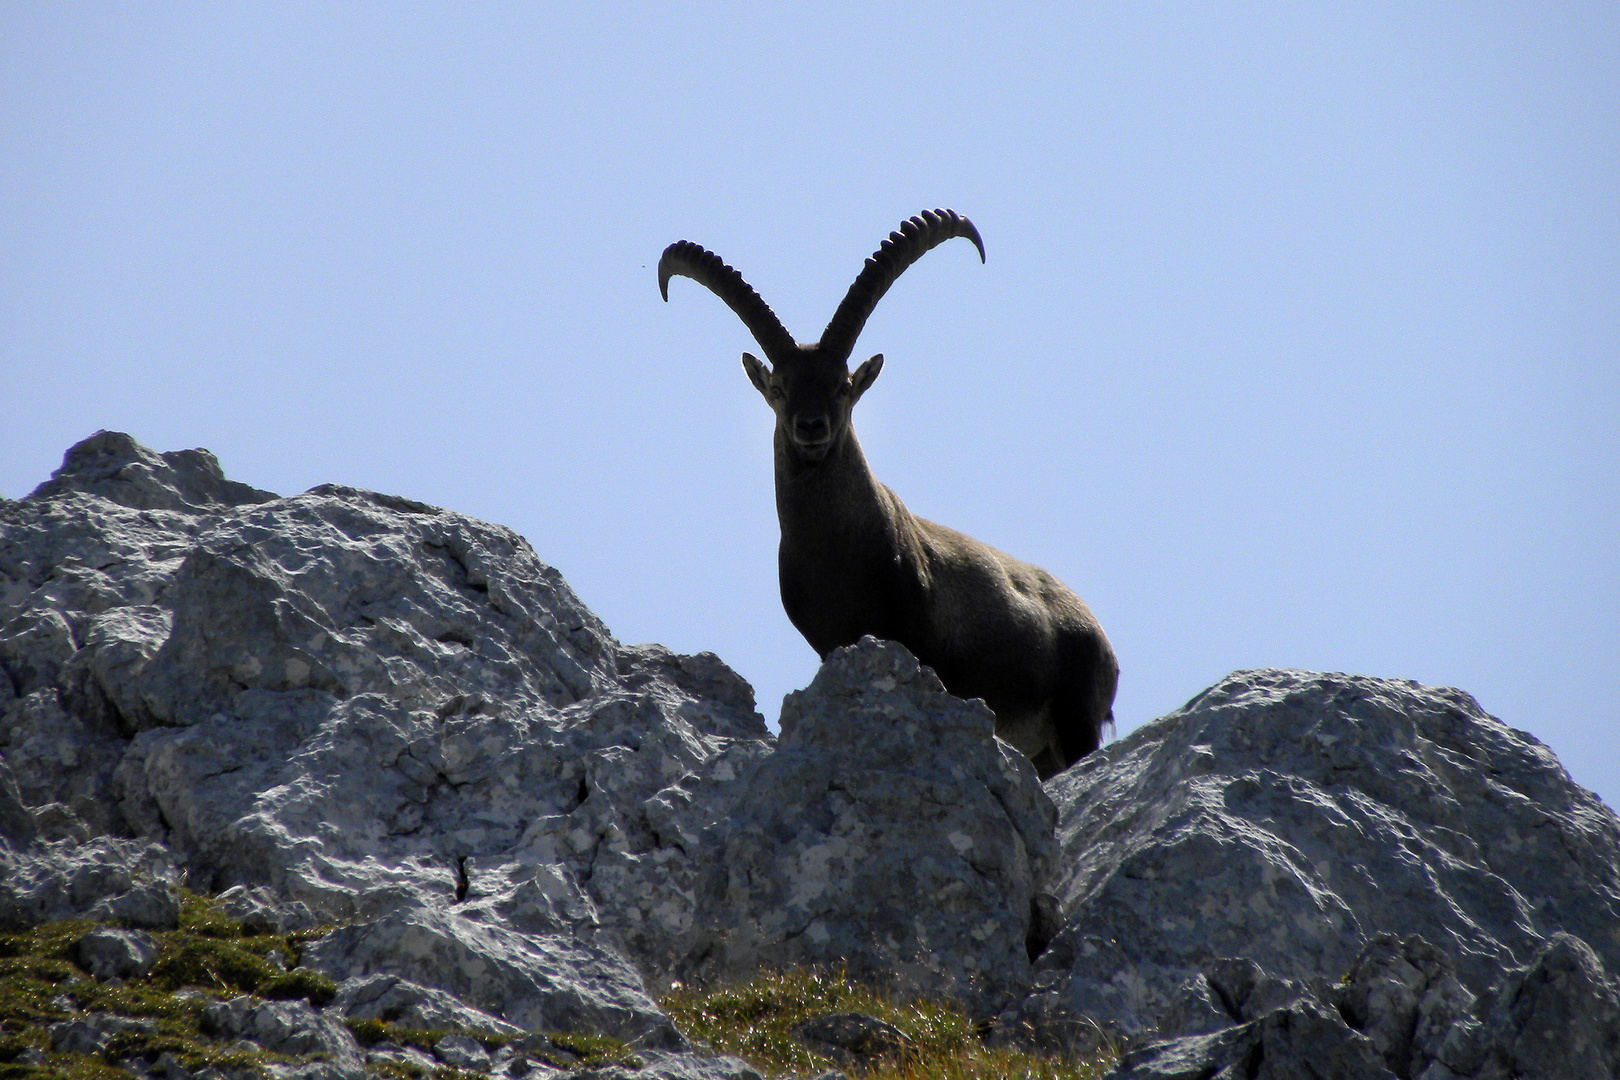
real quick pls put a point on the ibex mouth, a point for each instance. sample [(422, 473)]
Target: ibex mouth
[(813, 451)]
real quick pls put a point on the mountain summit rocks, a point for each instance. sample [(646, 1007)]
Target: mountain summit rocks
[(353, 710), (1288, 817)]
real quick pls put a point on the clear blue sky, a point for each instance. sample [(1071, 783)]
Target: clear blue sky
[(1297, 343)]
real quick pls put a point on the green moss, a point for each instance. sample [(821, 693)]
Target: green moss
[(317, 989), (377, 1032), (208, 957), (236, 963), (200, 916), (593, 1051), (139, 1000), (55, 940)]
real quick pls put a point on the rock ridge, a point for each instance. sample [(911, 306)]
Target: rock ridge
[(351, 710)]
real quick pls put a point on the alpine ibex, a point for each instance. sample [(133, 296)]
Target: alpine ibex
[(854, 561)]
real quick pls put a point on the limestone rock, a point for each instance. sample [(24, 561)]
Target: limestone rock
[(260, 911), (538, 982), (1557, 1017), (293, 1028), (1287, 818), (1402, 1014), (394, 1000), (890, 835), (110, 954), (1403, 995), (1306, 1040), (1227, 992), (91, 1033), (119, 469), (67, 879), (346, 705)]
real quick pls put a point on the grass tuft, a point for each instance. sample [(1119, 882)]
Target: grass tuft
[(207, 958), (211, 957), (758, 1021)]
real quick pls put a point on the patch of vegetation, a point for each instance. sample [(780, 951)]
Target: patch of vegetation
[(758, 1021), (380, 1032), (212, 957), (209, 957), (565, 1051), (590, 1051)]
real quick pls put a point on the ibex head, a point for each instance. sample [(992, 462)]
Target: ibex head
[(810, 387)]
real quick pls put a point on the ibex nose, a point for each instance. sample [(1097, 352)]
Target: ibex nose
[(811, 429)]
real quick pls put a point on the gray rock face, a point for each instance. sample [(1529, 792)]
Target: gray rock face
[(65, 879), (538, 982), (399, 1001), (287, 1027), (1557, 1017), (355, 707), (91, 1033), (348, 707), (1285, 818), (890, 834), (1401, 1014), (110, 954)]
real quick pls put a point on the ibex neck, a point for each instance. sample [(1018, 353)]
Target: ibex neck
[(829, 497)]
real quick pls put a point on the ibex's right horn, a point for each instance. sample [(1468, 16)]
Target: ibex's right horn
[(914, 239)]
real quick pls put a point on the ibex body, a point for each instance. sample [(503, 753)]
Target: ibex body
[(854, 561)]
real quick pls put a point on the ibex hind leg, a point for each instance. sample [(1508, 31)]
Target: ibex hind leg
[(1083, 703), (1048, 763)]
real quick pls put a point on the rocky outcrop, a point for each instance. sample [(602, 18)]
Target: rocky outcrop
[(1285, 818), (348, 707), (1304, 874), (396, 731), (363, 710), (1401, 1013), (890, 834)]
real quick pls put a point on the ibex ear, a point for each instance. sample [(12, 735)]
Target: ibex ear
[(758, 374), (865, 376)]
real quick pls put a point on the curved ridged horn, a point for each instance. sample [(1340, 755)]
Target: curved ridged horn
[(916, 236), (706, 268)]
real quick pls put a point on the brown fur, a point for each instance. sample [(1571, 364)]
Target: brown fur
[(854, 561)]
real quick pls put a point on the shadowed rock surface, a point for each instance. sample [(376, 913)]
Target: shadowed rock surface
[(890, 834), (344, 707), (1287, 817)]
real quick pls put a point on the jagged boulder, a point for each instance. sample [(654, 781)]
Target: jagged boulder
[(890, 835), (356, 707), (349, 706), (1287, 818), (1401, 1014)]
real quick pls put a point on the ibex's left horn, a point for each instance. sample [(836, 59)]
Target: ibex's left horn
[(915, 237), (706, 268)]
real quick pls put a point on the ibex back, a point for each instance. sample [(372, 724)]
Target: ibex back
[(854, 561)]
